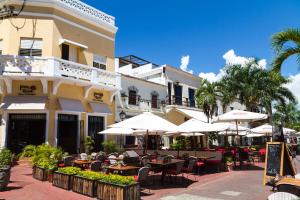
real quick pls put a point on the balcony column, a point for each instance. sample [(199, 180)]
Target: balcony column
[(8, 83)]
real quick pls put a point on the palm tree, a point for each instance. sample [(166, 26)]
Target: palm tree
[(256, 87), (287, 114), (206, 98), (226, 96), (284, 51)]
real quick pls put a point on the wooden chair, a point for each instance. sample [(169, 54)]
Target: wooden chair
[(142, 176), (175, 171), (189, 169)]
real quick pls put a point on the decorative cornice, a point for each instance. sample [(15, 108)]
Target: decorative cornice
[(76, 9)]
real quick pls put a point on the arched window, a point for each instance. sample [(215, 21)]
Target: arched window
[(154, 99), (132, 95)]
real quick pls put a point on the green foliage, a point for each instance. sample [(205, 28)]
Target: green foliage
[(286, 44), (91, 175), (89, 144), (256, 87), (206, 98), (28, 151), (110, 146), (181, 143), (5, 157), (69, 170), (288, 115), (46, 156), (117, 179), (228, 159), (211, 138)]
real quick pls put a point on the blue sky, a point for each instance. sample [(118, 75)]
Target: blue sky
[(163, 31)]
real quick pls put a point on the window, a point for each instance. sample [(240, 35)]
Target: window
[(31, 47), (154, 100), (192, 97), (132, 97), (99, 62), (178, 94), (1, 46), (65, 51)]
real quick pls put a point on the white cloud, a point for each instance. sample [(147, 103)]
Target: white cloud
[(231, 59), (294, 86), (185, 60)]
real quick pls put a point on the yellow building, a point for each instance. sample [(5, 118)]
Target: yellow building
[(57, 78)]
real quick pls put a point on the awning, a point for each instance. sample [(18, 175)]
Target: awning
[(66, 41), (193, 114), (100, 108), (24, 103), (70, 105)]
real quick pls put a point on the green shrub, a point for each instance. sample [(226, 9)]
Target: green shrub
[(69, 170), (28, 151), (89, 144), (117, 179), (110, 146), (46, 156), (5, 157), (228, 159), (91, 175)]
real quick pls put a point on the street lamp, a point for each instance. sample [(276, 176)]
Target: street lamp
[(122, 115)]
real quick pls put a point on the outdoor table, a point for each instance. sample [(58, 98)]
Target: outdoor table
[(164, 166), (289, 181), (290, 185), (121, 169), (204, 158), (83, 164)]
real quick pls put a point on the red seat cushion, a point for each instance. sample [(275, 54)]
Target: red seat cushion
[(184, 169), (171, 171), (61, 165), (199, 164), (213, 161), (136, 178)]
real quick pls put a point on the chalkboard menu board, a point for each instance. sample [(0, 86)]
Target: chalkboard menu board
[(274, 157), (278, 161)]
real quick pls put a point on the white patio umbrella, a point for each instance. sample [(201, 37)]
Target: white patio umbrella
[(254, 135), (119, 131), (150, 123), (267, 129), (240, 116)]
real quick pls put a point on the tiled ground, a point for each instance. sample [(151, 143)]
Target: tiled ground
[(243, 184)]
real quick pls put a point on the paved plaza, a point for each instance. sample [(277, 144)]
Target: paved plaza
[(242, 184)]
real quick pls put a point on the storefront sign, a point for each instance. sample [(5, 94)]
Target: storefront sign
[(27, 90), (98, 96)]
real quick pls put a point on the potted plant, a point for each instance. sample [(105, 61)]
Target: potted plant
[(63, 177), (228, 163), (117, 187), (5, 164), (84, 182), (45, 161), (89, 144), (110, 146)]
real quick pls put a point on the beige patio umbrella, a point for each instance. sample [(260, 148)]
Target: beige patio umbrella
[(148, 122), (240, 116)]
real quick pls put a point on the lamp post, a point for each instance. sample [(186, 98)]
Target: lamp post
[(122, 116)]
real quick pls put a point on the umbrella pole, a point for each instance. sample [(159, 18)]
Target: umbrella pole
[(237, 133), (156, 142), (146, 145), (195, 142), (226, 138)]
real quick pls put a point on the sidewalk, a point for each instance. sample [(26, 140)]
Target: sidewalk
[(246, 184)]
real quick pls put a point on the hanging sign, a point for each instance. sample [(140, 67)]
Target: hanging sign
[(98, 96), (27, 90)]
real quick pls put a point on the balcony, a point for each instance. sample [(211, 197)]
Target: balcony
[(75, 6), (181, 101), (58, 69)]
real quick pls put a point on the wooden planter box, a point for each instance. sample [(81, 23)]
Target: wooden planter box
[(108, 191), (40, 173), (63, 181), (84, 186)]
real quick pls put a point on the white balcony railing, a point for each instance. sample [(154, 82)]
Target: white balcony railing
[(75, 5), (57, 68)]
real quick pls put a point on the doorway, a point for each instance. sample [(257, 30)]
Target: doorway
[(25, 129), (95, 125), (67, 132)]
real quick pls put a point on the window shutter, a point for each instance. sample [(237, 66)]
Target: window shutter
[(100, 59), (34, 43)]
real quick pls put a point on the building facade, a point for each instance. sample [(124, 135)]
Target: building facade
[(57, 79)]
